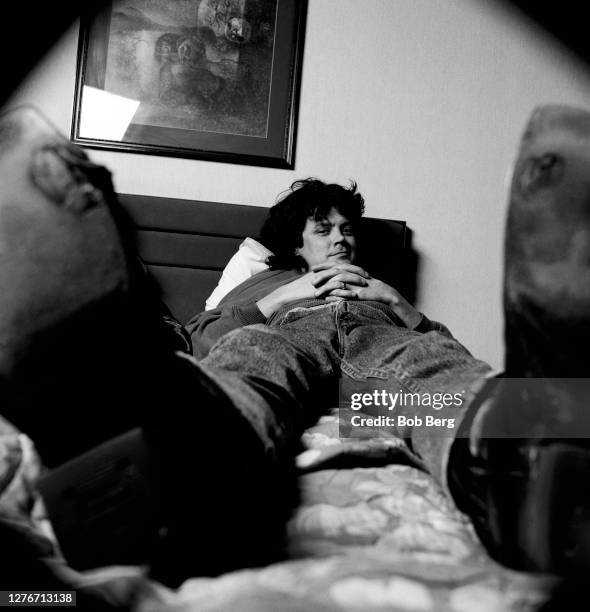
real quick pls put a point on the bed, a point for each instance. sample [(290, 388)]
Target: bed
[(372, 531)]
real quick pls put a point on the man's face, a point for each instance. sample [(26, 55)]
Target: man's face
[(329, 239)]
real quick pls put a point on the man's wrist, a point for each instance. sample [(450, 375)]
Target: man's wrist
[(417, 319), (407, 313), (411, 317), (269, 304)]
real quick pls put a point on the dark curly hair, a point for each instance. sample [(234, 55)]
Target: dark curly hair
[(308, 198)]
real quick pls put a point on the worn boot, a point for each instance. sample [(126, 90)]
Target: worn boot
[(64, 281), (523, 469), (150, 461), (59, 247)]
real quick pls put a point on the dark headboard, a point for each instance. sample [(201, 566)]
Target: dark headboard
[(186, 244)]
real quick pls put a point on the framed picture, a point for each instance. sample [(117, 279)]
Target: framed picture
[(207, 79)]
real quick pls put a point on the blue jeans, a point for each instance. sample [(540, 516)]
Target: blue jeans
[(282, 375)]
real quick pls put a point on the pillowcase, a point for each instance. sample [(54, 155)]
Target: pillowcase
[(248, 261)]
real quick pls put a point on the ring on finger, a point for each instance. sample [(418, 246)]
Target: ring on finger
[(343, 285)]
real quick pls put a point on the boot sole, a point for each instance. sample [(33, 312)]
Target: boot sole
[(554, 533)]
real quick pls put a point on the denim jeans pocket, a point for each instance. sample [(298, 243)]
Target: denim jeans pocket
[(393, 377)]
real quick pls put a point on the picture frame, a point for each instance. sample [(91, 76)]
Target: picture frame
[(215, 80)]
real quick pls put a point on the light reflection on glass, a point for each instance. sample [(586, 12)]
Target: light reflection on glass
[(105, 116)]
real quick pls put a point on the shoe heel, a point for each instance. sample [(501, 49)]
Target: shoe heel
[(554, 529)]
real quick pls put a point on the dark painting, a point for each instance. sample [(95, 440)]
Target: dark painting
[(203, 64), (208, 67)]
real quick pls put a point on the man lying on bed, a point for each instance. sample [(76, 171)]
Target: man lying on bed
[(312, 235), (77, 353)]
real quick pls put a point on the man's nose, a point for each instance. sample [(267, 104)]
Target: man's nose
[(337, 236)]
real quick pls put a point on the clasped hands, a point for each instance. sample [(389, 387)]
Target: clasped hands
[(336, 281), (339, 280)]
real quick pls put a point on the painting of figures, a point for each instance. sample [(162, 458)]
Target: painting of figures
[(203, 75)]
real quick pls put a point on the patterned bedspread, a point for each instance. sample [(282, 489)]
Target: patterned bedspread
[(372, 532)]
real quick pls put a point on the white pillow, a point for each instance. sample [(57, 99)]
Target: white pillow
[(248, 261)]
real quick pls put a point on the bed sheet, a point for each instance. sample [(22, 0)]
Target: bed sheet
[(373, 532)]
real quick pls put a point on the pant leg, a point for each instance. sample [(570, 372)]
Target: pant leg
[(280, 377), (377, 354), (230, 482), (225, 447)]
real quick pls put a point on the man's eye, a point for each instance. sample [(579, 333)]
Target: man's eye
[(347, 231), (322, 230)]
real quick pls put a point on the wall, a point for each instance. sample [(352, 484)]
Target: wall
[(422, 102)]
